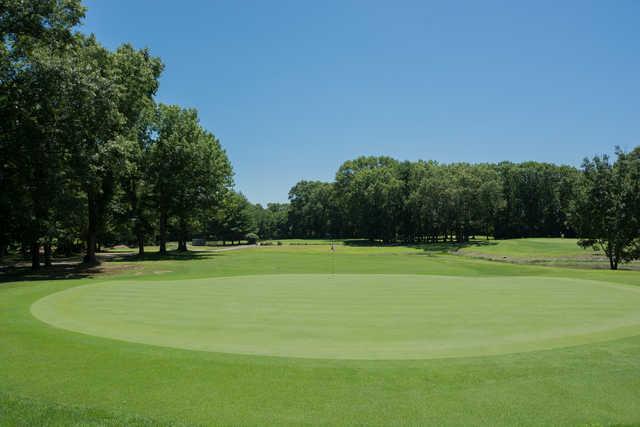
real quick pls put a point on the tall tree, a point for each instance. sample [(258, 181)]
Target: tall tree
[(311, 209), (235, 220), (34, 40), (606, 212), (126, 81), (138, 73), (273, 221), (369, 190), (189, 172)]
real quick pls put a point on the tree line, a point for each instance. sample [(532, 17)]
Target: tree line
[(383, 199)]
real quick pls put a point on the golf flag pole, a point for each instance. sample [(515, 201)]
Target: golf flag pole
[(333, 261)]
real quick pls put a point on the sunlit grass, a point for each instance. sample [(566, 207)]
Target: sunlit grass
[(53, 376)]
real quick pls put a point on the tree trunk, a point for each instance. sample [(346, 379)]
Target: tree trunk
[(35, 256), (182, 239), (47, 254), (140, 244), (613, 263), (163, 232), (92, 230)]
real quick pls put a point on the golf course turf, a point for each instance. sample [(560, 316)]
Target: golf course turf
[(264, 336), (350, 316)]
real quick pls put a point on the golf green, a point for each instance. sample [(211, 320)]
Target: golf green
[(350, 316)]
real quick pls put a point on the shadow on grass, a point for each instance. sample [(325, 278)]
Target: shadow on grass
[(73, 268), (427, 247), (55, 272), (444, 247), (169, 256)]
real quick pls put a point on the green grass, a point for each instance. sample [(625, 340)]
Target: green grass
[(532, 248), (18, 411), (50, 375), (348, 316), (540, 251), (309, 242)]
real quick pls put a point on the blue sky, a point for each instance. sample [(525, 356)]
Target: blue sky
[(295, 88)]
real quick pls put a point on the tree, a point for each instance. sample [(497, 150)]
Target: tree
[(138, 72), (78, 124), (369, 191), (311, 209), (606, 213), (35, 37), (235, 220), (91, 104), (272, 222), (114, 91), (537, 196), (189, 172)]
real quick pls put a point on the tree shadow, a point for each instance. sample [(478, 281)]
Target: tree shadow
[(447, 247), (63, 271), (19, 270), (442, 247), (169, 256), (364, 243)]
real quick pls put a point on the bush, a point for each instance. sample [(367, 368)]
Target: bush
[(252, 238)]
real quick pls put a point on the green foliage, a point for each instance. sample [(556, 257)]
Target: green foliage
[(607, 211), (189, 172), (36, 52), (80, 129), (536, 199), (381, 198), (234, 220), (272, 222), (369, 190), (312, 209), (252, 238), (25, 23)]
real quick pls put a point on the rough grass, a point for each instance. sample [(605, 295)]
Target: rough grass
[(533, 248), (17, 411), (540, 251), (57, 377)]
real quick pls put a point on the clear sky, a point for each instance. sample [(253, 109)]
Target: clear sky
[(295, 88)]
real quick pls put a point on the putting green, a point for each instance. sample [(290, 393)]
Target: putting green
[(350, 316)]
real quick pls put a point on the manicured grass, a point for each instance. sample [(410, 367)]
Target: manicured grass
[(306, 242), (50, 375), (532, 248), (349, 316)]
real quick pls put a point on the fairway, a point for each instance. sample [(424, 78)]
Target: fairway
[(350, 316)]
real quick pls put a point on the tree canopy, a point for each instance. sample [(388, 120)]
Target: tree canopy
[(80, 127)]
